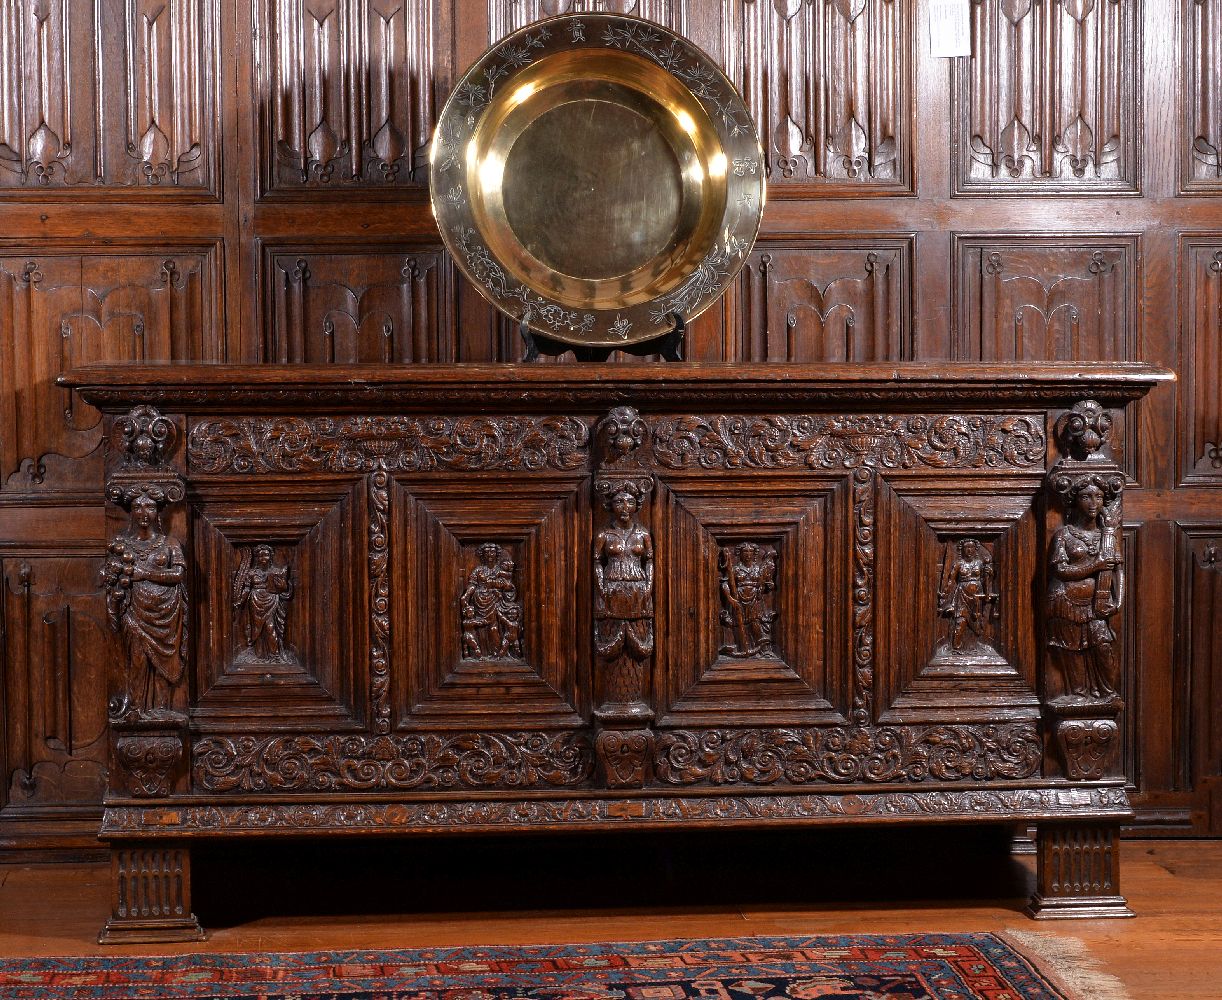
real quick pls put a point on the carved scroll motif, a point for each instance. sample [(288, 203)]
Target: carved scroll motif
[(748, 578), (623, 560), (261, 593), (489, 608), (149, 763), (379, 589), (863, 493), (802, 756), (889, 441), (252, 445), (361, 762)]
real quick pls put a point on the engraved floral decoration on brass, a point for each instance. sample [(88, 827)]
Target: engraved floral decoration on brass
[(597, 176)]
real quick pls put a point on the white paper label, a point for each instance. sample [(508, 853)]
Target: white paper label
[(950, 31)]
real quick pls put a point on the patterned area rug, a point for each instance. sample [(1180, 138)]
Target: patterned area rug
[(854, 967)]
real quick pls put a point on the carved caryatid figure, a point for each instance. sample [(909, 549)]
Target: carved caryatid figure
[(748, 576), (1087, 588), (967, 594), (146, 602), (489, 608), (623, 602), (261, 592)]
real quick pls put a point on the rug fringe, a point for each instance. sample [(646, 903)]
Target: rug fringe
[(1068, 962)]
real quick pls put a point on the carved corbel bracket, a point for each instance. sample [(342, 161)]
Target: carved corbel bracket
[(150, 754), (623, 564)]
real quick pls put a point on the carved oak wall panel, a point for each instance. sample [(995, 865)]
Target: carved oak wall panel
[(1201, 358), (357, 305), (1046, 299), (349, 91), (56, 646), (62, 310), (1049, 100), (1201, 141), (307, 593), (1197, 734), (507, 16), (112, 94), (829, 85), (827, 301)]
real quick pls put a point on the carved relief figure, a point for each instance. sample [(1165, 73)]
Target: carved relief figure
[(967, 594), (748, 576), (261, 592), (1086, 590), (146, 601), (623, 602), (490, 611)]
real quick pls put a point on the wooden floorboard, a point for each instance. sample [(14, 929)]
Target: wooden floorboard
[(331, 897)]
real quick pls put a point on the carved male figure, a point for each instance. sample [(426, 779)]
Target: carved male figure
[(490, 612), (968, 592), (1087, 589), (748, 575), (261, 592), (623, 602), (147, 602)]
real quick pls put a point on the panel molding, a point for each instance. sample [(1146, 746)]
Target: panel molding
[(1201, 120), (1050, 101), (1201, 358)]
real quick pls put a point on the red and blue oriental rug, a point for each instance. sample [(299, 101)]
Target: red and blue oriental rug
[(853, 967)]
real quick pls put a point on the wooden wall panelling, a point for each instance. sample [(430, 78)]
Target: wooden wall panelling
[(56, 646), (1050, 100), (64, 309), (1199, 656), (1201, 141), (349, 91), (507, 16), (333, 302), (829, 83), (1201, 358), (110, 98), (827, 300)]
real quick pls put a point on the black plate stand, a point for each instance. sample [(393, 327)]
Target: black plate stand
[(669, 345)]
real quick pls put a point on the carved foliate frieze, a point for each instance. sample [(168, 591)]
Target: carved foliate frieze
[(149, 763), (379, 593), (360, 762), (864, 494), (262, 590), (490, 611), (253, 445), (888, 441), (748, 579), (799, 756), (977, 804)]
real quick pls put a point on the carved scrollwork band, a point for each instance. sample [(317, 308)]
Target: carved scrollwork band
[(887, 441), (361, 762), (251, 445), (1025, 804)]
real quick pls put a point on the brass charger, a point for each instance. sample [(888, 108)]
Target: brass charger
[(597, 177)]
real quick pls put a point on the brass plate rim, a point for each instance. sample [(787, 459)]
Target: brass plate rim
[(693, 272)]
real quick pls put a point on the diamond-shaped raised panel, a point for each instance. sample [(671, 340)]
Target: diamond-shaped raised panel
[(956, 628), (485, 587), (280, 611), (745, 584)]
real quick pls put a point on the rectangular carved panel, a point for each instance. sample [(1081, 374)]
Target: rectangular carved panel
[(56, 644), (1202, 61), (1198, 735), (827, 302), (1201, 361), (510, 15), (829, 86), (357, 305), (1046, 299), (1048, 102), (109, 94), (349, 90), (66, 310)]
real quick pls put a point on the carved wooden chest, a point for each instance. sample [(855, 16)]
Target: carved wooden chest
[(383, 600)]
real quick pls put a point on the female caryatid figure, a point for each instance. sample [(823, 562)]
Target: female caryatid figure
[(623, 602), (261, 592), (1087, 588), (146, 602)]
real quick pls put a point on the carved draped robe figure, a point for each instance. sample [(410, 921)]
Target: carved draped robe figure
[(968, 591), (491, 615), (623, 602), (747, 576), (146, 601), (1087, 589), (261, 595)]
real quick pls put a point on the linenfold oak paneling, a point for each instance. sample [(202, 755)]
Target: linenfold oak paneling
[(248, 180)]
